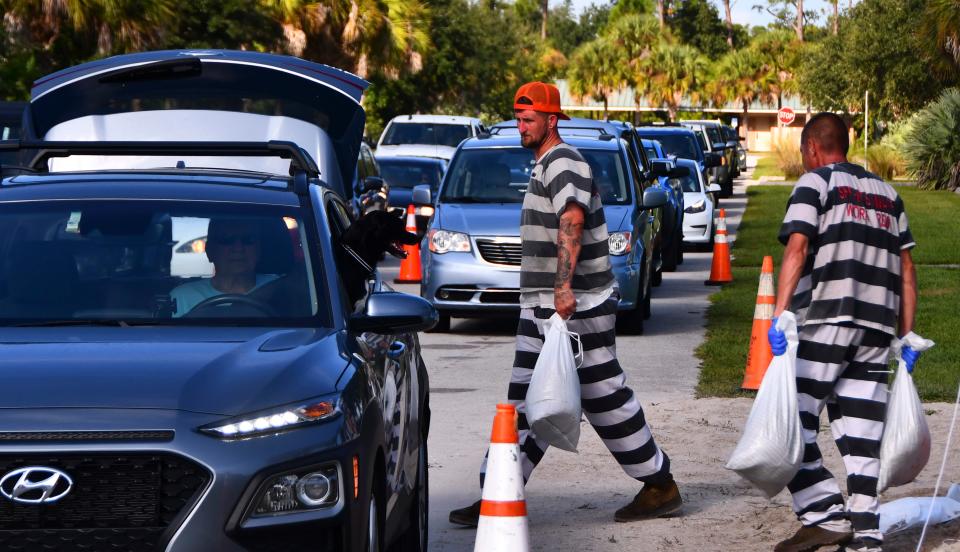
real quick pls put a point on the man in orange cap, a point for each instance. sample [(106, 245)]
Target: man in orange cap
[(565, 269)]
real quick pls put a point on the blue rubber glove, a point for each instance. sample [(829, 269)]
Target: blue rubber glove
[(909, 356), (777, 339)]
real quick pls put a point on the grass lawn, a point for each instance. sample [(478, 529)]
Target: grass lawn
[(730, 316), (766, 166)]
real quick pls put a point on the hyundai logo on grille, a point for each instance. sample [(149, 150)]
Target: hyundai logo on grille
[(35, 485)]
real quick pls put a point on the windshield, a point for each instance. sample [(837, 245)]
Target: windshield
[(681, 145), (407, 174), (501, 175), (432, 134), (689, 183), (714, 134), (155, 262)]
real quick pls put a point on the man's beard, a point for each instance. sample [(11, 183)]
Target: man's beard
[(530, 142)]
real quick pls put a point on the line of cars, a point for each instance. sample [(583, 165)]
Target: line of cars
[(282, 413)]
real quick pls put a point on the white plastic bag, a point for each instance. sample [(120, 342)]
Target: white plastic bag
[(553, 398), (905, 448), (770, 450), (905, 513)]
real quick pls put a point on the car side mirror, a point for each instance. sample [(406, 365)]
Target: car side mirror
[(679, 172), (372, 184), (711, 160), (714, 189), (421, 195), (659, 168), (654, 197), (389, 312)]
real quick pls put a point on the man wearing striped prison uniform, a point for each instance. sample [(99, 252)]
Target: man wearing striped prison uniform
[(848, 277), (566, 269)]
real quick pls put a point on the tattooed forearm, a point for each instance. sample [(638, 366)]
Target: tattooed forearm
[(568, 245)]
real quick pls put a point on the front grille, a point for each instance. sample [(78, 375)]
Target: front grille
[(499, 251), (118, 502), (317, 538), (510, 296), (34, 436)]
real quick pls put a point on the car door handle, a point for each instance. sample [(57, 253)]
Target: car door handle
[(397, 348)]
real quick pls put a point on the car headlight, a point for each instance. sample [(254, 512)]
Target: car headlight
[(444, 241), (300, 490), (425, 211), (696, 207), (619, 243), (272, 421)]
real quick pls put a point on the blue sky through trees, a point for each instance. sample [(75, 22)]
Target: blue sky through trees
[(743, 12)]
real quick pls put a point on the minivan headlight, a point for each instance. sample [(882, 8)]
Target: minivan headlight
[(619, 243), (444, 241), (697, 207), (272, 421)]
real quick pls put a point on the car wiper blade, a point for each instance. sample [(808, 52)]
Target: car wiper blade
[(75, 322)]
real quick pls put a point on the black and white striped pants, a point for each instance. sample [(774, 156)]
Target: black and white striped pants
[(610, 406), (845, 369)]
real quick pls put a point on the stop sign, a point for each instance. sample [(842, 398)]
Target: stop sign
[(786, 115)]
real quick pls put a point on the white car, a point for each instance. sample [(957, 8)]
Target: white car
[(427, 135), (699, 200)]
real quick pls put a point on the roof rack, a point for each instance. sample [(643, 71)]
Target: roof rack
[(300, 161)]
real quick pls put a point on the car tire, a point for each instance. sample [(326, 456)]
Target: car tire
[(679, 252), (443, 323), (657, 277), (631, 322), (415, 538), (375, 515), (670, 258), (645, 304)]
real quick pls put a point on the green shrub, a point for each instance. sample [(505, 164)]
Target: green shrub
[(786, 151), (932, 147), (885, 161)]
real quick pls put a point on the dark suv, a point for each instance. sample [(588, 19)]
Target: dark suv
[(158, 405)]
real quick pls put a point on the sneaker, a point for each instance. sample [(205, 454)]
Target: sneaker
[(652, 501), (468, 516), (809, 538)]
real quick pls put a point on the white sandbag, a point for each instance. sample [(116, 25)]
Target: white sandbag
[(906, 513), (770, 450), (905, 448), (553, 398)]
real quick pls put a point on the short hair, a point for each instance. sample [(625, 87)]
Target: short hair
[(828, 130)]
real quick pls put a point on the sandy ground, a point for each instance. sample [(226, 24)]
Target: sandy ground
[(571, 497)]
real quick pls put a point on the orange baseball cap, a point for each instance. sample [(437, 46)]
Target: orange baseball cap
[(539, 96)]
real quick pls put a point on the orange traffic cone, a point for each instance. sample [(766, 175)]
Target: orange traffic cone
[(410, 266), (720, 269), (503, 508), (760, 355)]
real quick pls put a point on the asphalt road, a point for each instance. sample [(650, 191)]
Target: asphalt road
[(469, 371)]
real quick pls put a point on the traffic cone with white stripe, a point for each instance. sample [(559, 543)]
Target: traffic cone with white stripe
[(410, 265), (760, 354), (720, 268), (503, 508)]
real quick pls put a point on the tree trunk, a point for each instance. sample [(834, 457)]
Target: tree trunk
[(604, 106), (798, 25), (726, 6), (544, 11), (672, 112), (836, 17), (661, 13)]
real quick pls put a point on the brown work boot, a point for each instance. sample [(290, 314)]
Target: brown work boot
[(809, 538), (652, 501), (468, 516)]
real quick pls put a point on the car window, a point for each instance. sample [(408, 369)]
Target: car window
[(689, 183), (638, 181), (501, 175), (156, 262), (434, 134), (401, 173), (680, 145), (651, 152), (369, 162), (714, 134), (701, 140)]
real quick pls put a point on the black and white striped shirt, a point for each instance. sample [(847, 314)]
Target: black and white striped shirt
[(562, 176), (857, 228)]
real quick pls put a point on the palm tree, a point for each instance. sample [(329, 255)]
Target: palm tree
[(941, 32), (729, 22), (115, 26), (364, 36), (594, 71), (672, 73), (740, 77), (780, 55)]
